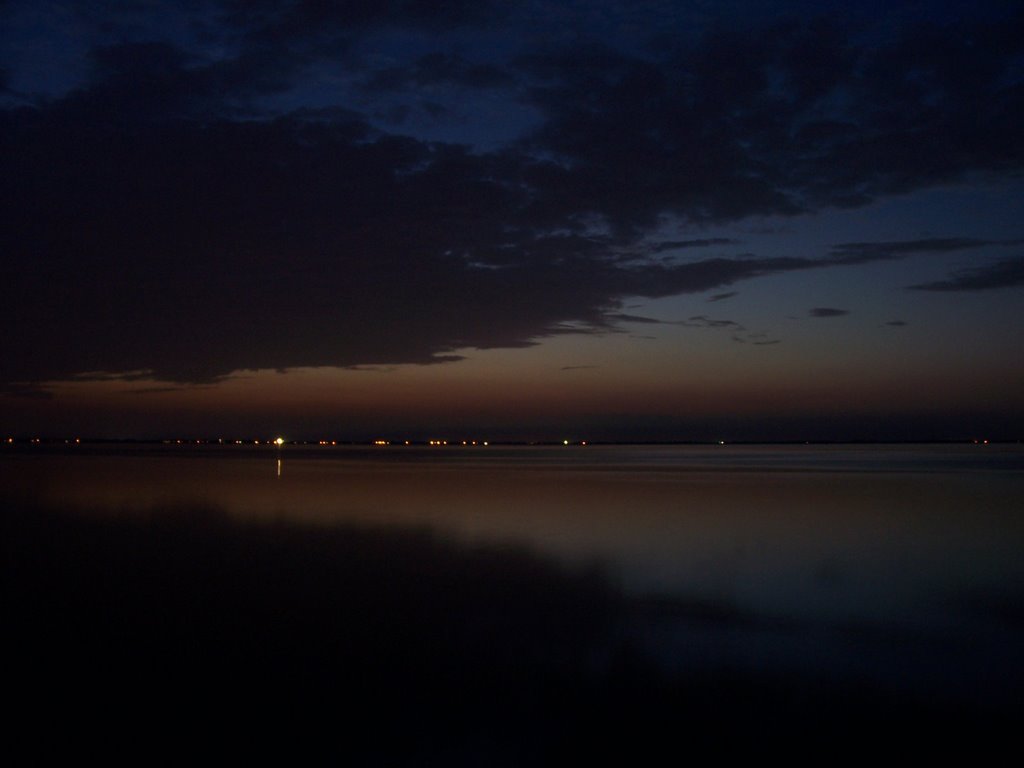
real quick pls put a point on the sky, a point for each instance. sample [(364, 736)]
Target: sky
[(539, 220)]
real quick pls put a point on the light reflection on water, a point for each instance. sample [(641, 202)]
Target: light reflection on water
[(853, 542)]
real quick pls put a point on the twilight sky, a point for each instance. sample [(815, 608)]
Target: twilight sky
[(590, 220)]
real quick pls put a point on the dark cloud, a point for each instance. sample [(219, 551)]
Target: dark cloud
[(153, 81), (658, 280), (272, 19), (438, 68), (113, 376), (859, 253), (1001, 274), (624, 318), (193, 249), (24, 389), (162, 390), (703, 321), (370, 368), (755, 338), (169, 216), (827, 312), (299, 33), (722, 296), (780, 120), (896, 323), (672, 245), (593, 104)]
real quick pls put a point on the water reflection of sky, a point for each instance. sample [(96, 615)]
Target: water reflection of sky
[(755, 526), (844, 540)]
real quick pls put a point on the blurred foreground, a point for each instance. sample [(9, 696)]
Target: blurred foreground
[(171, 633)]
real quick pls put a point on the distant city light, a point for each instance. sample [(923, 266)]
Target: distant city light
[(279, 441)]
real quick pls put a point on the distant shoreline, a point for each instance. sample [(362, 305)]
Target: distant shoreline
[(460, 443)]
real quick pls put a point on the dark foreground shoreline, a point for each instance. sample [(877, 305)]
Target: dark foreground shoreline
[(150, 635)]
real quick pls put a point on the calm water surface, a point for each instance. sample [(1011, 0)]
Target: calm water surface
[(899, 566), (845, 532)]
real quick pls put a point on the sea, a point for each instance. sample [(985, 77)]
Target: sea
[(515, 605)]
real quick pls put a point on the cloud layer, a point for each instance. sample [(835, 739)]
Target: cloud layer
[(194, 207), (1001, 274)]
